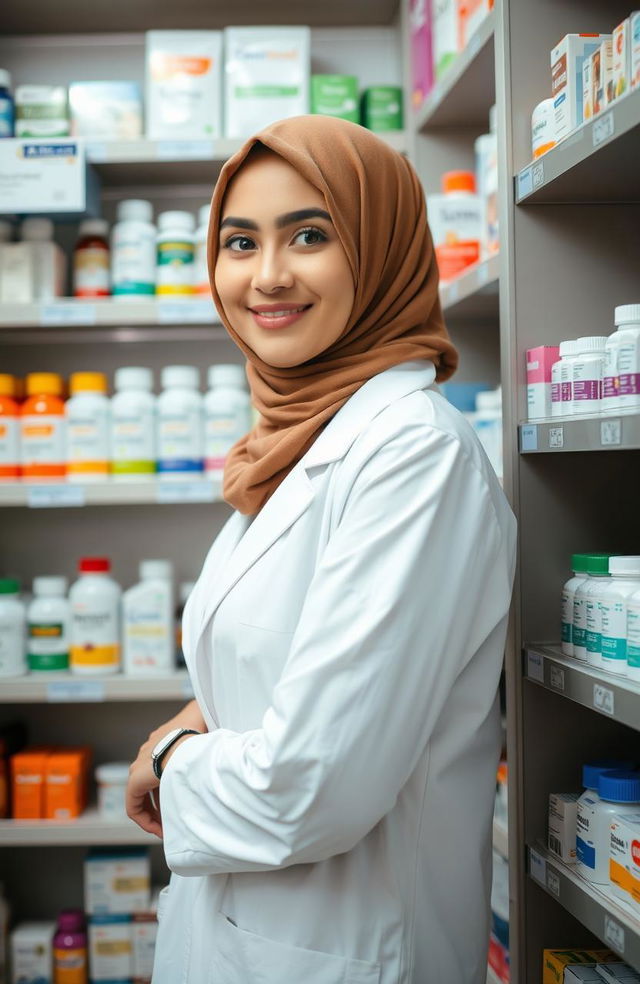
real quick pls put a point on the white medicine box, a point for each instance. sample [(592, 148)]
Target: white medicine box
[(184, 85), (267, 74), (563, 812), (567, 61), (32, 952), (116, 883)]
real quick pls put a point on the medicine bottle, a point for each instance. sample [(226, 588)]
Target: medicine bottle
[(9, 430), (562, 380), (592, 851), (133, 425), (133, 251), (147, 621), (175, 243), (201, 284), (623, 584), (48, 625), (95, 619), (597, 568), (621, 385), (43, 447), (579, 568), (87, 428), (588, 375), (48, 260), (91, 260), (70, 956), (456, 218), (7, 106), (12, 629), (543, 128), (227, 414), (180, 424), (111, 780)]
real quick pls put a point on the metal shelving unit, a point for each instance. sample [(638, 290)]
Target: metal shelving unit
[(474, 294), (89, 829), (109, 493), (70, 313), (608, 433), (64, 688)]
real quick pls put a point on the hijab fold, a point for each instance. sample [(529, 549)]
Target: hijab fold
[(377, 206)]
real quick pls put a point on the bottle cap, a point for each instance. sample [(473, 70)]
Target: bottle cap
[(598, 563), (36, 230), (592, 771), (93, 227), (44, 384), (458, 181), (627, 314), (567, 347), (227, 375), (591, 343), (9, 585), (134, 210), (176, 220), (619, 787), (112, 772), (624, 566), (50, 587), (203, 214), (185, 590), (94, 565), (71, 921), (180, 377), (133, 378), (7, 385), (5, 78), (88, 382), (156, 569), (579, 563)]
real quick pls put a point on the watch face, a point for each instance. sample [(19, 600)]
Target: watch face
[(162, 744)]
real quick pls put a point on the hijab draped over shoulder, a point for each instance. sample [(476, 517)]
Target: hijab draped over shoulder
[(377, 206)]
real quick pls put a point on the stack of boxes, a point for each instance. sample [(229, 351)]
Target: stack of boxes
[(50, 783)]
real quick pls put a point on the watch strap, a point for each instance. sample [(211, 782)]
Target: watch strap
[(157, 759)]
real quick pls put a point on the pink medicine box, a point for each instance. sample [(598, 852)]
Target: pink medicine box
[(539, 363)]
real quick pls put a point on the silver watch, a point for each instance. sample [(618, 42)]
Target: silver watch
[(165, 744)]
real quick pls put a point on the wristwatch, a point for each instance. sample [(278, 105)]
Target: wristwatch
[(165, 744)]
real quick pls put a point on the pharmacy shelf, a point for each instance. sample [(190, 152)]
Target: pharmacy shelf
[(89, 829), (64, 688), (614, 696), (69, 312), (466, 92), (501, 838), (474, 294), (109, 493), (597, 163), (611, 433), (594, 906)]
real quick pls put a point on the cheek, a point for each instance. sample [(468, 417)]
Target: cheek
[(229, 280)]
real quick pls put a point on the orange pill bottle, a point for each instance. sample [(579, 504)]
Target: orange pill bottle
[(9, 430), (42, 429)]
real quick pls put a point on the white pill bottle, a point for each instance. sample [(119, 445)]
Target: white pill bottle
[(597, 571), (624, 583), (175, 254), (592, 840), (12, 629), (579, 569), (180, 425), (133, 425), (133, 251), (48, 625), (87, 414), (95, 619), (621, 387), (227, 414), (147, 617), (633, 637)]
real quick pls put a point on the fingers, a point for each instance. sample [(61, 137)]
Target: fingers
[(143, 811)]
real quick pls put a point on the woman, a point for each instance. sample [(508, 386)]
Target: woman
[(331, 822)]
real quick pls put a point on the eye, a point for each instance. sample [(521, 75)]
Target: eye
[(239, 244), (310, 236)]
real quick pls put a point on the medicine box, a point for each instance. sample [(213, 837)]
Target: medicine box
[(563, 811), (472, 13), (117, 882), (144, 930), (184, 85), (582, 975), (447, 42), (618, 973), (267, 71), (555, 963), (335, 95), (28, 771), (634, 45), (540, 361), (624, 858), (601, 78), (41, 111), (587, 91), (421, 50), (106, 110), (382, 108), (66, 783), (567, 61), (110, 949), (621, 65), (32, 953)]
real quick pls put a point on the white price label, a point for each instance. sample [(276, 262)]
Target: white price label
[(42, 176), (200, 490), (75, 691), (610, 432), (55, 496), (194, 311), (529, 437), (525, 183), (602, 128), (603, 699), (538, 867), (535, 666), (553, 882), (614, 934), (181, 150), (556, 437), (538, 174), (61, 314), (556, 677)]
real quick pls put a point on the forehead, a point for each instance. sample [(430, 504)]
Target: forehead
[(268, 183)]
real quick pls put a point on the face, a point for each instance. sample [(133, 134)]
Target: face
[(282, 275)]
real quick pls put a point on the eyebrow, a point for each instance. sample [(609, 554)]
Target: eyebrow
[(301, 215)]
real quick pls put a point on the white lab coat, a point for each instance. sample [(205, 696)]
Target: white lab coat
[(345, 646)]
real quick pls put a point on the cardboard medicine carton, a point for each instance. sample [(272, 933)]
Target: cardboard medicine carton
[(184, 85), (567, 63)]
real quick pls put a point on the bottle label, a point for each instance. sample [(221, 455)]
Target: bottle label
[(610, 386), (614, 630), (556, 393), (180, 442), (580, 625), (566, 389), (91, 272), (70, 966), (567, 615), (629, 383), (585, 843), (88, 441), (12, 662), (9, 447), (43, 440), (133, 260), (148, 639), (633, 636), (586, 389), (132, 443), (48, 646), (174, 273), (94, 637), (222, 431), (593, 635)]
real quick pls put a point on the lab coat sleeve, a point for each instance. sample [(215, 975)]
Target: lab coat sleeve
[(413, 579)]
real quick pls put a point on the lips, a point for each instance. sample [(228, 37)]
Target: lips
[(272, 316)]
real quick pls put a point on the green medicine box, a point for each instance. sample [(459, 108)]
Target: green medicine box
[(335, 95), (382, 108)]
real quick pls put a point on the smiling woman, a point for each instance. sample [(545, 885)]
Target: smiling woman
[(287, 288)]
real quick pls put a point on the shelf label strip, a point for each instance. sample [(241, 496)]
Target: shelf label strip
[(55, 496), (529, 437), (603, 699), (75, 691), (538, 868), (603, 128), (64, 315), (610, 432), (556, 677), (614, 934), (535, 666), (525, 183)]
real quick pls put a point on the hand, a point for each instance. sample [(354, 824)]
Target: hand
[(142, 807)]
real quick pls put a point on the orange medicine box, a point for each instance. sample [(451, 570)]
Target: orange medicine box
[(28, 771), (65, 792)]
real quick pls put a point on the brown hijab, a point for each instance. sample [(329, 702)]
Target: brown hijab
[(378, 209)]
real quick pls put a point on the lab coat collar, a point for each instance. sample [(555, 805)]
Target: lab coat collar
[(295, 493)]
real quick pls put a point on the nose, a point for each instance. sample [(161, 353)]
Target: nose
[(272, 272)]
